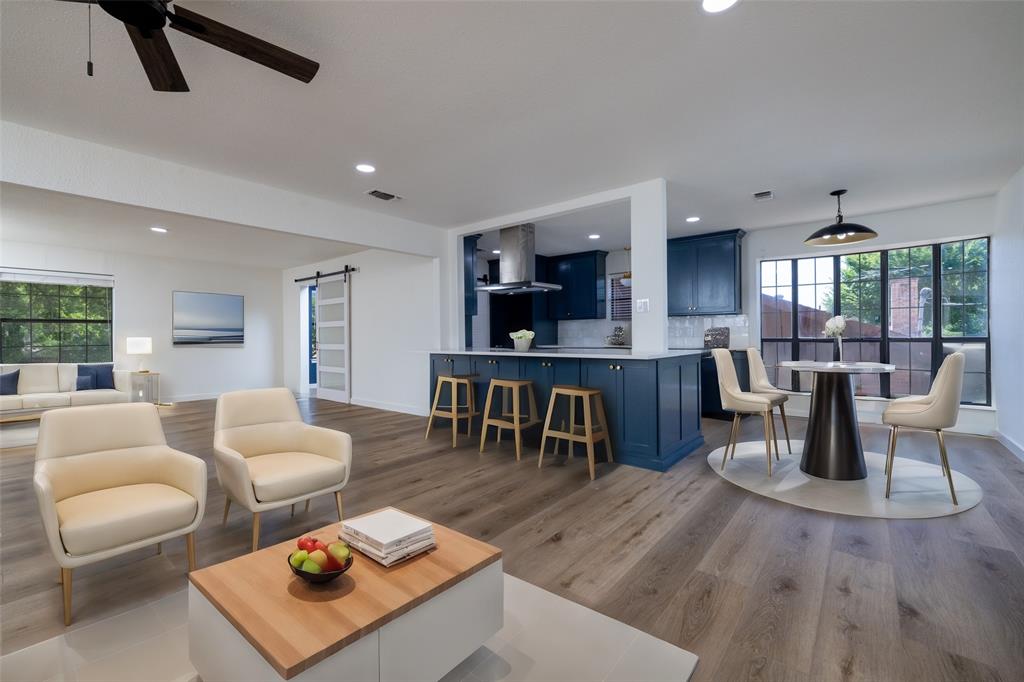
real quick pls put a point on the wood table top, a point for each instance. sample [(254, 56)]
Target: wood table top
[(295, 625)]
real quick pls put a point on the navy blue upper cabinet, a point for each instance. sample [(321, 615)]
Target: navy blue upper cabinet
[(582, 277), (704, 274)]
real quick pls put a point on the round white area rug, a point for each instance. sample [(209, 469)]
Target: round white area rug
[(919, 489)]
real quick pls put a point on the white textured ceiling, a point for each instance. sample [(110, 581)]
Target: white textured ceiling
[(44, 217), (471, 110)]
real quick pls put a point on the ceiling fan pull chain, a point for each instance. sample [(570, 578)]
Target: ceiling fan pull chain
[(88, 63)]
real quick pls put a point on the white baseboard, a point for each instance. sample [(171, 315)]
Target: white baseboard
[(977, 420), (417, 410), (189, 397), (1010, 444)]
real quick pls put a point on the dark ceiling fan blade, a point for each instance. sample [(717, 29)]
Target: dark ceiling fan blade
[(243, 44), (158, 60)]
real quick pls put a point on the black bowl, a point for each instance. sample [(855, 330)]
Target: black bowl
[(324, 577)]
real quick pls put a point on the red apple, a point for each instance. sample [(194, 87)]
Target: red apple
[(321, 546), (332, 564), (307, 543), (338, 551), (319, 558)]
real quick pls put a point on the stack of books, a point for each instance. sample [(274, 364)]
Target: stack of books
[(388, 536)]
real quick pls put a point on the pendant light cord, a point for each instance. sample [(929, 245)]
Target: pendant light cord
[(839, 208), (88, 63)]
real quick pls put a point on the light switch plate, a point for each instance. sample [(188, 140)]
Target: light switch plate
[(643, 305)]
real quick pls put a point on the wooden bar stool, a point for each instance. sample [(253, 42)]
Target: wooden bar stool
[(511, 389), (578, 433), (452, 412)]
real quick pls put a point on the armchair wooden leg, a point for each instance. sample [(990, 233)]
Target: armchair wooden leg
[(190, 551), (433, 409), (785, 426), (732, 439), (337, 501), (227, 506), (775, 435), (65, 581), (544, 434), (255, 531), (945, 466), (766, 417)]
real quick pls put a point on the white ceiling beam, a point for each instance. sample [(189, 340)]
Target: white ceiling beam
[(38, 158)]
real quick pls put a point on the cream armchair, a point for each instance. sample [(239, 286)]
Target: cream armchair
[(933, 412), (761, 385), (108, 484), (267, 457)]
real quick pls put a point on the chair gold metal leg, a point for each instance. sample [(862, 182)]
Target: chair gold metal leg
[(775, 434), (888, 451), (732, 436), (65, 581), (785, 426), (227, 506), (307, 506), (337, 501), (892, 460), (766, 417), (544, 434), (945, 466), (487, 413), (255, 531), (190, 551), (433, 409)]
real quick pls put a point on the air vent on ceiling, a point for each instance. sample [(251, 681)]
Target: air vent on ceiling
[(766, 195), (383, 196)]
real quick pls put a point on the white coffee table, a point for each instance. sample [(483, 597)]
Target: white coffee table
[(251, 619)]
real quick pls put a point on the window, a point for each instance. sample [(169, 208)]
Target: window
[(42, 322), (891, 301), (621, 303)]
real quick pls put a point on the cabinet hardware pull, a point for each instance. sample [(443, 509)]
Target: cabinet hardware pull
[(618, 367)]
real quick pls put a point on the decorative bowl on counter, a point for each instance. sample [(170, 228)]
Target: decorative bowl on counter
[(323, 576)]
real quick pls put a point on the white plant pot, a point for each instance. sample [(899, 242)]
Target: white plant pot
[(522, 345)]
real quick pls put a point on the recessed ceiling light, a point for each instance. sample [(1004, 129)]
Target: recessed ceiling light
[(693, 219), (157, 228), (716, 6), (593, 236), (496, 251), (365, 168)]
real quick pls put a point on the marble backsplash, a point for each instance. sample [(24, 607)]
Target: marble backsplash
[(683, 332)]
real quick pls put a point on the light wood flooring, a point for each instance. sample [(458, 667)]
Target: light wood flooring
[(758, 589)]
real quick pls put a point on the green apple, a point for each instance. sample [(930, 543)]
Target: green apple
[(340, 551), (319, 558), (310, 566), (297, 558)]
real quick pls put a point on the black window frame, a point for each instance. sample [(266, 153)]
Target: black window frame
[(27, 352), (937, 340)]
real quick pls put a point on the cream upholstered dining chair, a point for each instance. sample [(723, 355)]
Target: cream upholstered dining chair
[(267, 457), (108, 484), (933, 412), (760, 385), (744, 402)]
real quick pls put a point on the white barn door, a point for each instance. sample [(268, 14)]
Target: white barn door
[(334, 380)]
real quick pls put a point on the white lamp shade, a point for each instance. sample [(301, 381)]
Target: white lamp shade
[(139, 345)]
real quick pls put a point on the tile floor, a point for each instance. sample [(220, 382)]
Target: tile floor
[(545, 638)]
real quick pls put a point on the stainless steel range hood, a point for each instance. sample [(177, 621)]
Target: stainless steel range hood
[(517, 266)]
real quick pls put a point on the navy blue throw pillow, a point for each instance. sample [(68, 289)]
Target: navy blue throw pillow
[(102, 375), (86, 383), (9, 383)]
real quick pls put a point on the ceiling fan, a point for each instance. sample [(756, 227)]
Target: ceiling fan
[(146, 19)]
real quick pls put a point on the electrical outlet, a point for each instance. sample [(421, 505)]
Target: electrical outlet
[(643, 305)]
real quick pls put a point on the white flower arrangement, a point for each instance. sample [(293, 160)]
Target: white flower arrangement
[(521, 335), (835, 327)]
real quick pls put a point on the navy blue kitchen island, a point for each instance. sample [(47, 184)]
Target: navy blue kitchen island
[(652, 401)]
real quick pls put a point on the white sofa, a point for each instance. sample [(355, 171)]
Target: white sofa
[(51, 384)]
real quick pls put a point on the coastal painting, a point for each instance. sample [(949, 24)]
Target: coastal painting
[(205, 318)]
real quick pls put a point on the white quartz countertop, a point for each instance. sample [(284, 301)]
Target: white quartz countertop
[(593, 353)]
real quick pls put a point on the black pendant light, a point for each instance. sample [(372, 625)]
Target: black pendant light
[(840, 232)]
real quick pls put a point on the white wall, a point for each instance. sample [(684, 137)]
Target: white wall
[(142, 307), (395, 303), (919, 225), (1008, 299)]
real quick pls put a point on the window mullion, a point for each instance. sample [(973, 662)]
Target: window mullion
[(885, 380)]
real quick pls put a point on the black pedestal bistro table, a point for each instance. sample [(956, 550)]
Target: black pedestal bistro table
[(832, 446)]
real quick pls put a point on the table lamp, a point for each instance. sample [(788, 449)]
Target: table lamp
[(139, 345)]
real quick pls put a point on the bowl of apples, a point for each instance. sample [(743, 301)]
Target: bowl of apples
[(316, 562)]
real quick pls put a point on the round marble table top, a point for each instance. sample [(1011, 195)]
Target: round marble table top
[(839, 367)]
